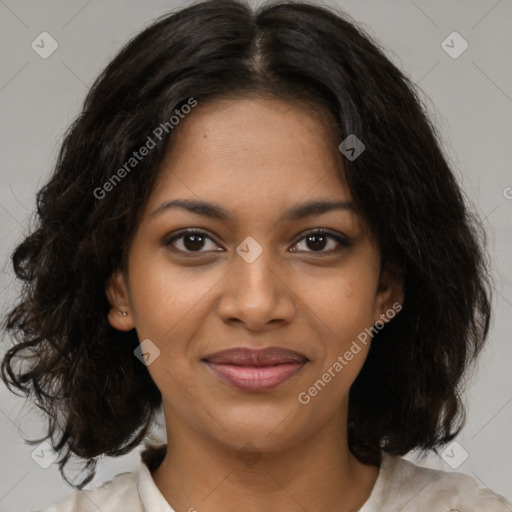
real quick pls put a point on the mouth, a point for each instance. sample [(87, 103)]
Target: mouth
[(255, 370)]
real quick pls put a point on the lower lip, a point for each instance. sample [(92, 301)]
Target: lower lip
[(255, 378)]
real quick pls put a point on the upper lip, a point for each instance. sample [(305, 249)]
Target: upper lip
[(243, 356)]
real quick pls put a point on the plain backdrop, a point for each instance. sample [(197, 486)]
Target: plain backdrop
[(469, 98)]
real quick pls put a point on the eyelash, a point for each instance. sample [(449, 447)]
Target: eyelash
[(341, 240)]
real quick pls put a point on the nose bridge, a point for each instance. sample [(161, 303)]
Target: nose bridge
[(255, 294), (254, 267)]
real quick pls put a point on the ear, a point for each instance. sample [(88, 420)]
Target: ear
[(390, 293), (117, 295)]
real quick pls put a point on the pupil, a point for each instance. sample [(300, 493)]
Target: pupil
[(317, 245), (195, 239)]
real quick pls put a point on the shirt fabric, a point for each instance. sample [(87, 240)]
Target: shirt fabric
[(400, 486)]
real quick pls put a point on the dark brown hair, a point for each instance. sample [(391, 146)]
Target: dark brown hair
[(83, 373)]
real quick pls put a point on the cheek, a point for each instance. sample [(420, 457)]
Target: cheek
[(342, 305), (165, 299)]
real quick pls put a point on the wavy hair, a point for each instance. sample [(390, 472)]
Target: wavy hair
[(65, 356)]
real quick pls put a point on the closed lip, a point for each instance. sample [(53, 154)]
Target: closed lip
[(255, 370), (244, 356)]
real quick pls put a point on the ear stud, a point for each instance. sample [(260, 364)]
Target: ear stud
[(122, 313)]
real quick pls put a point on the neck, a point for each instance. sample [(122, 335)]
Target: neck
[(317, 473)]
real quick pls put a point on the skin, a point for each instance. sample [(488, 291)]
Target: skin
[(256, 158)]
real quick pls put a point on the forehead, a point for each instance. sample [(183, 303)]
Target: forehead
[(254, 152), (257, 120)]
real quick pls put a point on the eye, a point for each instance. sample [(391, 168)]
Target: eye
[(189, 241), (318, 240), (194, 240)]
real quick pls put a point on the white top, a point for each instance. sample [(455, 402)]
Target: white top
[(400, 486)]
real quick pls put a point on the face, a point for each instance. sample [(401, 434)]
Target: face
[(266, 273)]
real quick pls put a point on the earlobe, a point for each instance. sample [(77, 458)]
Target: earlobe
[(390, 294), (119, 315)]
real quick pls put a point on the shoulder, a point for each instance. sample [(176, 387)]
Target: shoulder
[(120, 493), (411, 488)]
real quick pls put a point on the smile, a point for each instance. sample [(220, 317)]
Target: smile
[(255, 378)]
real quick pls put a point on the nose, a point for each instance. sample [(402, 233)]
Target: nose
[(257, 295)]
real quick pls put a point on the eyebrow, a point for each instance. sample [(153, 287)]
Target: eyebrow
[(215, 211)]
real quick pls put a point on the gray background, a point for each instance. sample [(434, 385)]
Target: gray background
[(470, 101)]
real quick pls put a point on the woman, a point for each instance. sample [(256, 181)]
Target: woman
[(252, 225)]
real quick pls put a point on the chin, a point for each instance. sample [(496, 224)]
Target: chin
[(268, 429)]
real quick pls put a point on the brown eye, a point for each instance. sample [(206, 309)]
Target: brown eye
[(190, 241), (317, 241)]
